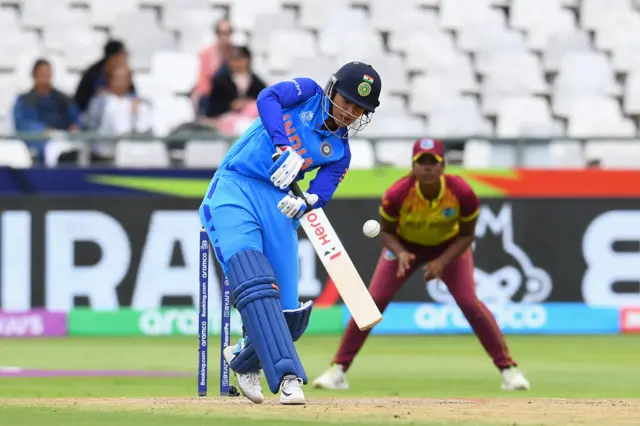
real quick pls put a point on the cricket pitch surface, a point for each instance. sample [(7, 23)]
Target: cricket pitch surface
[(418, 411)]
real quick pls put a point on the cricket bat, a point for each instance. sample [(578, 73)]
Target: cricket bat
[(339, 266)]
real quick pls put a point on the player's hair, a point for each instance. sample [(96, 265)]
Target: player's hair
[(39, 63)]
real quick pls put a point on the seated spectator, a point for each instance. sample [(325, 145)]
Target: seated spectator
[(117, 111), (94, 79), (211, 59), (44, 109), (234, 93)]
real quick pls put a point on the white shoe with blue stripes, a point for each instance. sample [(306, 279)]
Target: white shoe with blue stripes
[(248, 383)]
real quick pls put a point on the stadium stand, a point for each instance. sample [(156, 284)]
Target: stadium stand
[(469, 70)]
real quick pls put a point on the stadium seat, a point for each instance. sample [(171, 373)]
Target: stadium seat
[(537, 36), (390, 126), (427, 89), (499, 43), (480, 153), (526, 15), (174, 71), (243, 13), (626, 54), (131, 24), (516, 115), (608, 38), (387, 16), (614, 153), (199, 16), (104, 13), (558, 44), (394, 152), (81, 47), (141, 154), (14, 153), (572, 78), (472, 37), (598, 14), (331, 42), (315, 15), (598, 117), (204, 154), (458, 117), (266, 24), (362, 154), (631, 103), (456, 14), (169, 112), (282, 59)]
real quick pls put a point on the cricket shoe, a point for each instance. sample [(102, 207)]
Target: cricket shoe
[(334, 378), (514, 380), (291, 391), (249, 383)]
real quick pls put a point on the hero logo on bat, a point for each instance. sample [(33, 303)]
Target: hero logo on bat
[(507, 276), (331, 250)]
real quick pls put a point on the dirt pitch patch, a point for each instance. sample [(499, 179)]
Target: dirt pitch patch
[(553, 412)]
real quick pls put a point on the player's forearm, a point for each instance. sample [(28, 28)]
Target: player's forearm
[(458, 247), (392, 242)]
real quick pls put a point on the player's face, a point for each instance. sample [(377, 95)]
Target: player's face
[(427, 169), (344, 111)]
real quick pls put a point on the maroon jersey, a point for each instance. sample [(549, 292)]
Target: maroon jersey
[(429, 222)]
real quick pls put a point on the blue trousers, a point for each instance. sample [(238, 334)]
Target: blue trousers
[(240, 213)]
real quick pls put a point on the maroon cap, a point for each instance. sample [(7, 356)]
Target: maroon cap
[(428, 146)]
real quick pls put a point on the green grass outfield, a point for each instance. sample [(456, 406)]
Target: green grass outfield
[(430, 380)]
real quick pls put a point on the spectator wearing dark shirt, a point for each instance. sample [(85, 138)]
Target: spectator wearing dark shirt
[(94, 79), (235, 89), (43, 108)]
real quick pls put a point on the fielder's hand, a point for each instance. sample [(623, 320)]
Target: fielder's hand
[(404, 262), (295, 207), (286, 168), (433, 270)]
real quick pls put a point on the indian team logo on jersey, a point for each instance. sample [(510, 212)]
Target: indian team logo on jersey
[(326, 149), (504, 272)]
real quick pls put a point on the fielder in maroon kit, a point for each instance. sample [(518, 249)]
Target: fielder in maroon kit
[(428, 220)]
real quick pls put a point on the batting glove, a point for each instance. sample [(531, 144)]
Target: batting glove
[(286, 168), (295, 207)]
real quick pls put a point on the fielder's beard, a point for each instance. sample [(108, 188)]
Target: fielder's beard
[(359, 122)]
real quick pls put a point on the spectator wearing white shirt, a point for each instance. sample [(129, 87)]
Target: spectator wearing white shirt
[(119, 112)]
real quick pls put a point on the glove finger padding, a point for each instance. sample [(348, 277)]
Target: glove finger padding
[(286, 168)]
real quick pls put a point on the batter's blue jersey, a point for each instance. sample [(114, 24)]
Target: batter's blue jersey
[(292, 114)]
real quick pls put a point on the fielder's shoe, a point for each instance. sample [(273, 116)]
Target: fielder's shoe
[(248, 383), (291, 391), (334, 378), (514, 380)]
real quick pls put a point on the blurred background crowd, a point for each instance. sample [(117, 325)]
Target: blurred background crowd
[(155, 83)]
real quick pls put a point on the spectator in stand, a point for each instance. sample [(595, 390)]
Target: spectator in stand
[(94, 79), (117, 111), (212, 59), (44, 109), (234, 92)]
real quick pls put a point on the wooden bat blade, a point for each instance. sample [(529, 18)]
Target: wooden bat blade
[(341, 269)]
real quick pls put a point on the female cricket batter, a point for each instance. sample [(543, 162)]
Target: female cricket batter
[(428, 218), (251, 218)]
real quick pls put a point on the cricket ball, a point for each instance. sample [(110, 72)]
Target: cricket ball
[(371, 228)]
